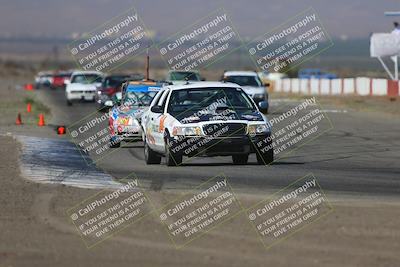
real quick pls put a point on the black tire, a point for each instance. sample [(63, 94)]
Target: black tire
[(150, 156), (102, 108), (115, 144), (172, 158), (265, 158), (240, 159), (143, 135), (69, 103)]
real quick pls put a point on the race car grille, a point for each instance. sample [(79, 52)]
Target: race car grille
[(83, 92), (225, 129)]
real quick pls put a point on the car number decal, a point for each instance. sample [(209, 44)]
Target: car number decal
[(162, 126)]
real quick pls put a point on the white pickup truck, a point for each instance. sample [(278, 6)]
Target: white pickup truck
[(82, 86), (250, 82)]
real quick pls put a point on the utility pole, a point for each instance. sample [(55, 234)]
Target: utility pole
[(147, 64), (395, 58)]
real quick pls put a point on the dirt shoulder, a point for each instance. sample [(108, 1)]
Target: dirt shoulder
[(14, 99), (37, 232), (376, 104)]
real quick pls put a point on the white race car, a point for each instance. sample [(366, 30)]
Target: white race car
[(82, 86), (181, 76), (251, 84), (204, 119), (44, 79)]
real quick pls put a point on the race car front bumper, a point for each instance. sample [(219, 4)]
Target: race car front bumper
[(101, 99), (81, 95), (221, 146), (128, 133)]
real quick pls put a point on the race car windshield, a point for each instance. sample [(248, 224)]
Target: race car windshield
[(114, 81), (188, 102), (86, 79), (244, 80), (183, 75), (138, 98)]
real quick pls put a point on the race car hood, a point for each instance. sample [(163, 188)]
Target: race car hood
[(81, 87), (128, 112), (252, 90), (227, 114)]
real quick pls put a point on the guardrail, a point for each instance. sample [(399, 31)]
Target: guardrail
[(362, 86)]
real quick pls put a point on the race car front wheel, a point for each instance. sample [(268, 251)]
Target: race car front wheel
[(172, 158), (150, 156), (114, 142), (240, 159), (115, 145), (265, 158)]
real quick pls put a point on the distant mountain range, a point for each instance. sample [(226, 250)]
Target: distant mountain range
[(349, 55), (58, 18)]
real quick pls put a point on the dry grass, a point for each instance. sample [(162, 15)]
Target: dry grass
[(380, 104), (14, 99)]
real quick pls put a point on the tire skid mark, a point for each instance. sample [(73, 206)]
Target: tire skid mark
[(46, 160)]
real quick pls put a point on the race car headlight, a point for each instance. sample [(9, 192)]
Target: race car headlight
[(258, 96), (128, 121), (258, 129), (187, 131), (134, 122)]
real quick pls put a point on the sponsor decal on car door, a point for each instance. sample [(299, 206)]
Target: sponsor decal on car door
[(157, 131)]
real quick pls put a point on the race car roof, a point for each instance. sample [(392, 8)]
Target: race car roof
[(143, 82), (240, 73), (190, 85), (143, 87), (87, 72)]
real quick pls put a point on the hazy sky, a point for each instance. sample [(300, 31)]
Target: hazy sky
[(354, 18)]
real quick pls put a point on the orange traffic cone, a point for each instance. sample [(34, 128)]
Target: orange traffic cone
[(41, 120), (28, 107), (29, 87), (61, 130), (18, 121)]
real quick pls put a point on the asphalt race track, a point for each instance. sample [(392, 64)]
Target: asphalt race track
[(358, 156)]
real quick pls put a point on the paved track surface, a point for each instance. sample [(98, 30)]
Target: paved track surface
[(358, 156), (356, 163)]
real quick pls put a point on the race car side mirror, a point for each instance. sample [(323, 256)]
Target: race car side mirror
[(263, 105), (156, 109), (108, 103)]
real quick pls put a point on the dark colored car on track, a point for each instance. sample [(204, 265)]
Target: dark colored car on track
[(315, 74), (111, 84)]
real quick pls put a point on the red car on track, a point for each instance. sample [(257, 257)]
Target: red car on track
[(59, 79)]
